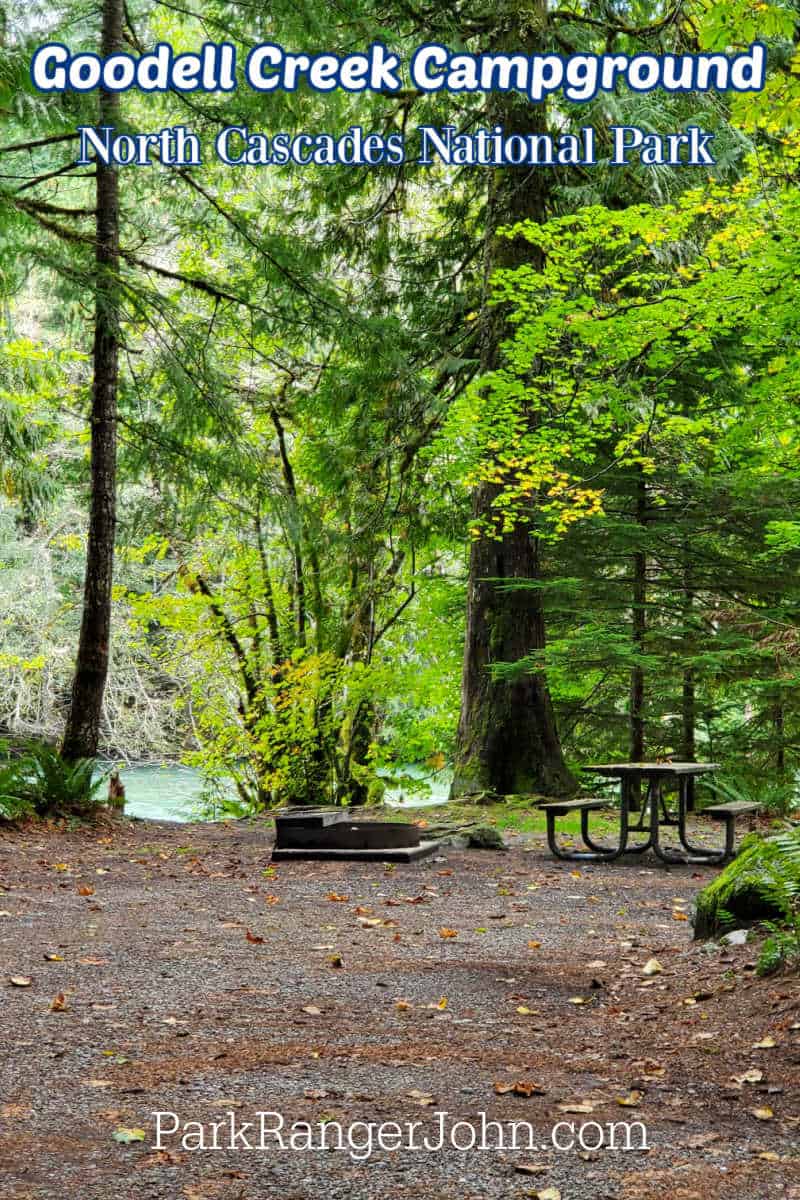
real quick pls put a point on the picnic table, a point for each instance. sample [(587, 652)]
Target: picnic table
[(654, 815)]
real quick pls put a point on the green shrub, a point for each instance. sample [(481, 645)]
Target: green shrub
[(777, 797), (40, 782)]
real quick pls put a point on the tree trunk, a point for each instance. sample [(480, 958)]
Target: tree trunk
[(91, 670), (507, 737), (778, 726), (638, 631), (688, 700)]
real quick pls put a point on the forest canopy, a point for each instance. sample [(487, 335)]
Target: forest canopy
[(492, 470)]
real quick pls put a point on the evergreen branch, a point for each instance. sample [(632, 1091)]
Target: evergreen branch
[(18, 147)]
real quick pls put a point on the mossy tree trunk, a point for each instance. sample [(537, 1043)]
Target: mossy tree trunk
[(82, 732), (507, 737)]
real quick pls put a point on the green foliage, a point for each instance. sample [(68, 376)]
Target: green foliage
[(761, 884), (778, 797), (782, 888), (302, 423), (39, 782)]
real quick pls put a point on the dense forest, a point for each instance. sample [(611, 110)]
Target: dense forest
[(310, 474)]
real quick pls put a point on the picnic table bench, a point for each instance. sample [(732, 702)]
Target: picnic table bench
[(653, 818)]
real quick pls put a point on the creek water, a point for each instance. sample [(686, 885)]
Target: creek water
[(174, 793)]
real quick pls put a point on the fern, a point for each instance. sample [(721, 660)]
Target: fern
[(764, 880), (778, 798), (39, 782)]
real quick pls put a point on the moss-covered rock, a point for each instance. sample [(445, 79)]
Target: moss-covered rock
[(484, 837), (738, 896)]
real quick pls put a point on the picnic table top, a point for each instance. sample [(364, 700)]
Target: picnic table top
[(652, 768)]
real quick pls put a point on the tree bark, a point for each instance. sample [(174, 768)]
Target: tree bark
[(688, 698), (638, 632), (507, 737), (82, 733), (778, 726)]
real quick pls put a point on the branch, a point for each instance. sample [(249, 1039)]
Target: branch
[(48, 141)]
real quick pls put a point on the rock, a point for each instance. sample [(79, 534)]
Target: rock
[(484, 837), (736, 937)]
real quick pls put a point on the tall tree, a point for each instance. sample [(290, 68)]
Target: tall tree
[(82, 732), (507, 737)]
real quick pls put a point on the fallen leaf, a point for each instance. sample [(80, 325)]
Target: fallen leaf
[(54, 957), (762, 1114), (403, 1005), (523, 1087), (531, 1169), (652, 967), (16, 1111), (336, 898), (21, 980), (252, 937), (679, 916), (85, 889), (419, 1097), (631, 1100), (163, 1158), (534, 945), (583, 1106), (361, 911), (442, 1003), (526, 1012), (751, 1076), (336, 960), (59, 1003), (766, 1043), (549, 1194), (444, 932), (312, 1010), (126, 1136), (578, 1000)]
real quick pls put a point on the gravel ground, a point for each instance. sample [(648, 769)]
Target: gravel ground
[(172, 970)]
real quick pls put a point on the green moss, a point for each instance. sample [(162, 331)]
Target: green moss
[(740, 894)]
